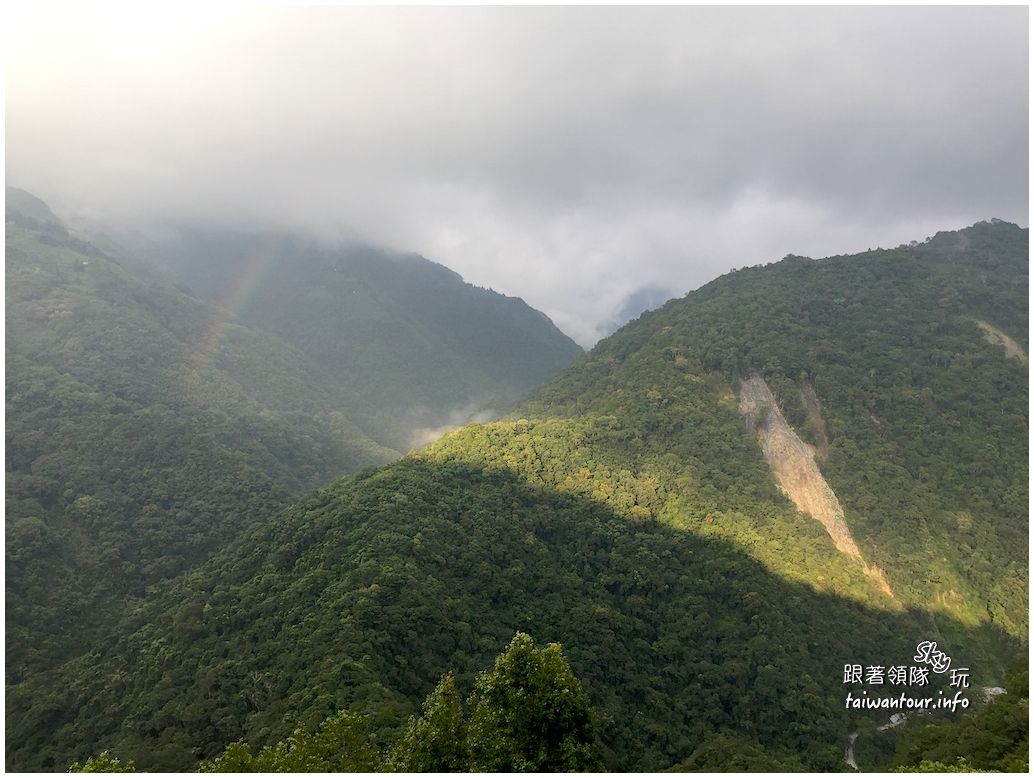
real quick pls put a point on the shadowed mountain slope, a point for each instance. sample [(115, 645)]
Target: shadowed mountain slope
[(420, 348), (926, 421), (362, 595), (133, 450), (632, 516)]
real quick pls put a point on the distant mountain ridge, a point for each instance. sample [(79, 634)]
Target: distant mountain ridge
[(28, 206), (146, 428), (627, 510), (419, 347), (133, 452)]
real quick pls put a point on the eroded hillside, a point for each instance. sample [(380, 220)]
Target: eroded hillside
[(996, 337), (798, 476), (630, 514)]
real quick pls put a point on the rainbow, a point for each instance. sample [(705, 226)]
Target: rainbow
[(226, 312)]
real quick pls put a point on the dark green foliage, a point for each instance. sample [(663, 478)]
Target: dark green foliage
[(342, 744), (960, 765), (631, 517), (728, 753), (361, 597), (927, 420), (995, 738), (530, 714), (437, 740), (143, 432), (105, 762), (418, 347)]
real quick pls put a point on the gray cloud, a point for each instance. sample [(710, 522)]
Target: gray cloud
[(645, 298), (454, 420), (569, 156)]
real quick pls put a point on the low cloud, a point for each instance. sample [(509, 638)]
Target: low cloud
[(645, 298), (567, 155), (455, 419)]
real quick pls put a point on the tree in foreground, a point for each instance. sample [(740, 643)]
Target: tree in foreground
[(530, 713), (996, 738), (342, 744), (105, 762), (437, 741)]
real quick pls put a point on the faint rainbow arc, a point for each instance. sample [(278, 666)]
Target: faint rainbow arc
[(226, 312)]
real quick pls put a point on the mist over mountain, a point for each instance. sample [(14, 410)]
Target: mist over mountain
[(25, 205), (147, 428), (796, 468), (567, 155), (418, 347), (420, 389), (643, 299), (144, 430)]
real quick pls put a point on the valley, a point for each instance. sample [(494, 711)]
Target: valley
[(517, 389), (796, 467)]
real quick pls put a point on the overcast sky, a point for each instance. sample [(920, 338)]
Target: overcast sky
[(574, 157)]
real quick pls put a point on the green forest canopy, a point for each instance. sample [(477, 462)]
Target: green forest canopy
[(629, 515)]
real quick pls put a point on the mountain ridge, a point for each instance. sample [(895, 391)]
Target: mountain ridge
[(414, 341), (146, 428), (627, 511)]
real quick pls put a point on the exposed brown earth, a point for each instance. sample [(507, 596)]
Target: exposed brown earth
[(796, 473), (996, 337), (818, 424)]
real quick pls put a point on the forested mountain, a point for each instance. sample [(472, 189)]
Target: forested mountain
[(795, 468), (420, 348), (147, 429), (883, 363), (136, 444)]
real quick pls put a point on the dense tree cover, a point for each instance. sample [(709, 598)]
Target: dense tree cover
[(960, 765), (361, 596), (528, 714), (631, 517), (145, 429), (437, 740), (341, 744), (927, 420), (729, 753), (995, 738), (419, 347), (105, 762), (710, 480), (143, 432)]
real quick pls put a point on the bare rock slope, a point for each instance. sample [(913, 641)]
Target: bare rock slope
[(996, 337), (796, 473)]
